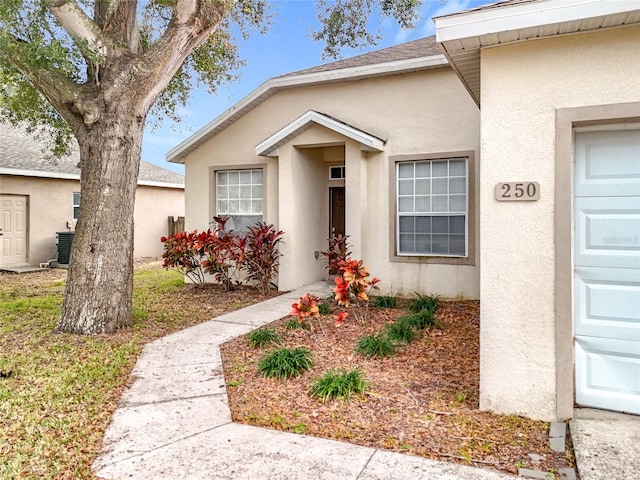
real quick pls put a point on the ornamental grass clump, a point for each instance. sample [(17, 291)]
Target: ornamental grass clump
[(420, 320), (422, 303), (338, 383), (401, 331), (262, 337), (384, 301), (285, 362), (377, 346)]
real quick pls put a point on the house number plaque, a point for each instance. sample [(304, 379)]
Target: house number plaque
[(517, 191)]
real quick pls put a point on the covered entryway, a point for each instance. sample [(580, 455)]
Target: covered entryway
[(13, 230), (607, 269)]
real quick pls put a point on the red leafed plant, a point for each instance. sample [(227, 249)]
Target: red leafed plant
[(353, 283), (338, 251), (222, 252), (183, 252), (260, 256), (307, 306)]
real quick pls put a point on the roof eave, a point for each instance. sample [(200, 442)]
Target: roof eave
[(273, 85), (463, 35)]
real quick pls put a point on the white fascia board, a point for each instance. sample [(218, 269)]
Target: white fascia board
[(38, 173), (525, 15), (18, 172), (149, 183), (271, 144), (272, 85)]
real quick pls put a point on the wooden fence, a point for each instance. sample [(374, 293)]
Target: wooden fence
[(175, 225)]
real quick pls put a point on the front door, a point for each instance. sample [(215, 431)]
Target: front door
[(607, 269), (13, 230), (336, 210)]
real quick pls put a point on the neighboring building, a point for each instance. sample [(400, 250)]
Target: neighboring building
[(40, 196), (406, 149)]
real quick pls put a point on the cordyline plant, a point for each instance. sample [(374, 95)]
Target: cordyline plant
[(338, 251), (226, 255)]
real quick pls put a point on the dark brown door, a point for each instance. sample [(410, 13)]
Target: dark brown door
[(336, 209)]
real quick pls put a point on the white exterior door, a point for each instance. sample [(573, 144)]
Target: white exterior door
[(607, 269), (13, 230)]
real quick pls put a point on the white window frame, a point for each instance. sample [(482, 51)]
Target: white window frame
[(341, 172), (429, 212)]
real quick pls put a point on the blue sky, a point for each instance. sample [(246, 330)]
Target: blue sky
[(286, 47)]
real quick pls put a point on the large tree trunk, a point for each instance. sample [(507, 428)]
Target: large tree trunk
[(98, 296)]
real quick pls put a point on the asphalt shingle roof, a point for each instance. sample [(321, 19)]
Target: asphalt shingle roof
[(25, 151), (422, 47)]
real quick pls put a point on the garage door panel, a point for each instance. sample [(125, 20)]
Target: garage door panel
[(608, 232), (611, 303), (608, 374), (608, 159)]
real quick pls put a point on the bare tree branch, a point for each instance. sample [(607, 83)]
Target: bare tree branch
[(79, 25)]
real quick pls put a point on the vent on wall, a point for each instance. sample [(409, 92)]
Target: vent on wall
[(336, 173)]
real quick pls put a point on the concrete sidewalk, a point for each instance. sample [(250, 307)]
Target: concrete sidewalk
[(174, 421)]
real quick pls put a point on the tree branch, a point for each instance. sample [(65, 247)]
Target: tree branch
[(79, 25)]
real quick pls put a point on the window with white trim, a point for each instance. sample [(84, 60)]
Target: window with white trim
[(76, 205), (239, 196), (432, 208)]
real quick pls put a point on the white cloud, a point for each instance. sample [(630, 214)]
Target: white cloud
[(444, 8)]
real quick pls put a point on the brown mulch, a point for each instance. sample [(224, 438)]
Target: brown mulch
[(421, 401)]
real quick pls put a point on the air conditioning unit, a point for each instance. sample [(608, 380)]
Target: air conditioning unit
[(64, 241)]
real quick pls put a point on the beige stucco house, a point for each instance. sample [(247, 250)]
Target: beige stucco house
[(39, 196), (500, 162)]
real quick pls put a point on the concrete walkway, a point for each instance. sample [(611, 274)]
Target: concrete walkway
[(174, 421)]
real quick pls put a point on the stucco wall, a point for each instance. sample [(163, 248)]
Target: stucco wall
[(417, 113), (51, 207), (522, 86)]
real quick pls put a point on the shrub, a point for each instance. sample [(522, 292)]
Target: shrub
[(338, 383), (385, 301), (401, 331), (183, 252), (423, 302), (222, 253), (263, 336), (338, 251), (421, 320), (285, 362), (259, 256), (375, 346)]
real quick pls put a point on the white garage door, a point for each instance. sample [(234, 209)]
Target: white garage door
[(607, 269)]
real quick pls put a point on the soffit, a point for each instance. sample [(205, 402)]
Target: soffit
[(464, 34)]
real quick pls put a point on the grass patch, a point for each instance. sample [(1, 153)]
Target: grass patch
[(385, 301), (285, 362), (420, 320), (423, 302), (262, 337), (401, 331), (57, 400), (324, 308), (338, 383), (377, 346), (294, 324)]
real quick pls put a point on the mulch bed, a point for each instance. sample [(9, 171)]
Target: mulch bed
[(421, 401)]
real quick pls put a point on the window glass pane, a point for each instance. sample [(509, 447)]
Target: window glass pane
[(440, 243), (256, 191), (245, 206), (405, 187), (456, 244), (406, 225), (439, 203), (423, 169), (234, 206), (405, 204), (440, 185), (234, 192), (234, 177), (245, 192), (439, 169), (457, 168), (245, 177), (456, 224), (222, 178), (256, 177), (440, 224), (423, 224), (405, 170), (76, 198), (76, 211), (256, 206), (457, 203), (423, 243), (423, 186), (407, 243), (223, 207), (423, 203), (457, 185), (223, 192)]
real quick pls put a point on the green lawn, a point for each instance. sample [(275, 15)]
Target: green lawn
[(58, 391)]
